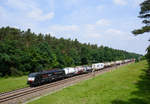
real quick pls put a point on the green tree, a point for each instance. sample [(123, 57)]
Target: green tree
[(85, 56), (145, 15)]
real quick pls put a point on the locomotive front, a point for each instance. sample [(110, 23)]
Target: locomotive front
[(31, 79)]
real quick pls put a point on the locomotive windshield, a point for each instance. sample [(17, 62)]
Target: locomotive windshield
[(32, 75)]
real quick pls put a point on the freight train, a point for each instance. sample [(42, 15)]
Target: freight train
[(39, 78)]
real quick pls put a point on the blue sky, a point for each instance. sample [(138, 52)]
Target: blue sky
[(102, 22)]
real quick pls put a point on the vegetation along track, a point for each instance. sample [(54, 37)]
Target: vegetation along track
[(5, 97)]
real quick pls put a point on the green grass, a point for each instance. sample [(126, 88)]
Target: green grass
[(12, 83), (127, 85)]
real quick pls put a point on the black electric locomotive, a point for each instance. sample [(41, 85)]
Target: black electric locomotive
[(38, 78)]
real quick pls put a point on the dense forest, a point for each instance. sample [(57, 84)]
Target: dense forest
[(22, 52)]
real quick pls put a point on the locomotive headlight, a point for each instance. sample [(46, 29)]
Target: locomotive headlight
[(31, 78)]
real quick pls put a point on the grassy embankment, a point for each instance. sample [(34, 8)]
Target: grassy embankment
[(127, 85), (12, 83)]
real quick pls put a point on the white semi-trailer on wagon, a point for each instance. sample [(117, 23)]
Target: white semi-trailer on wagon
[(69, 71), (98, 66)]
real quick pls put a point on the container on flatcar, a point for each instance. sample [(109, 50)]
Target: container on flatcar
[(107, 64), (121, 61), (69, 71), (79, 69), (126, 61), (118, 62), (112, 63), (98, 66), (87, 68)]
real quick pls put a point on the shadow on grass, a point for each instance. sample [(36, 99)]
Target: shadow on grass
[(143, 92)]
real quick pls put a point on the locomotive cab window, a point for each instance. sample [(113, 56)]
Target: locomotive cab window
[(32, 75)]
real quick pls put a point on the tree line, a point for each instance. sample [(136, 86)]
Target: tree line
[(23, 52)]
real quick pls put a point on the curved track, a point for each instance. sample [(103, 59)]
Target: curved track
[(5, 97), (18, 93)]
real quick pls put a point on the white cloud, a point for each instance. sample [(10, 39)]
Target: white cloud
[(120, 2), (114, 32), (30, 10), (94, 31), (119, 34), (90, 31), (93, 35), (38, 15), (57, 28), (100, 7), (71, 2), (2, 12), (103, 22), (68, 4), (90, 27)]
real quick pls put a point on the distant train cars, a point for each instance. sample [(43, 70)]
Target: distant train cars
[(39, 78)]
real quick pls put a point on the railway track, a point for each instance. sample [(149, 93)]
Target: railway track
[(9, 96), (5, 97), (14, 91)]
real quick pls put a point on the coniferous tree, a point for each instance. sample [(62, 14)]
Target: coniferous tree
[(144, 14)]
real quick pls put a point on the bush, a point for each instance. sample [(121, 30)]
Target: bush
[(15, 72)]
